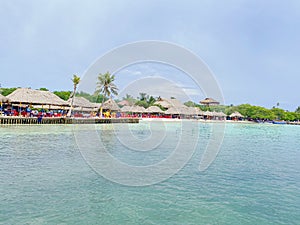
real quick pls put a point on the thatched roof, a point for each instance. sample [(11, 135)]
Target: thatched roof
[(110, 104), (219, 114), (184, 110), (208, 113), (209, 101), (137, 109), (154, 109), (126, 109), (198, 111), (236, 114), (125, 103), (173, 111), (30, 96), (81, 102), (4, 99), (168, 103)]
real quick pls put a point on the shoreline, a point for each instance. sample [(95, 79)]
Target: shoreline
[(13, 120)]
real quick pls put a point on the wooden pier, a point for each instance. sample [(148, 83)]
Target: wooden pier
[(63, 120)]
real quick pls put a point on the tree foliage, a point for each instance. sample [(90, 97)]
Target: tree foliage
[(65, 95), (7, 91)]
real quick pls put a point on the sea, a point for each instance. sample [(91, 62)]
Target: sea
[(149, 173)]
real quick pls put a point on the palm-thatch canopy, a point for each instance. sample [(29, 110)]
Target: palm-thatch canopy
[(137, 109), (4, 99), (126, 108), (236, 114), (208, 113), (30, 96), (209, 101), (81, 102), (110, 104), (219, 114), (198, 111), (168, 103), (154, 109), (125, 103), (173, 111)]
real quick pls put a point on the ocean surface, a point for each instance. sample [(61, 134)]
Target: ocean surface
[(255, 178)]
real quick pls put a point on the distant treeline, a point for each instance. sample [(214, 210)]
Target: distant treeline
[(253, 112), (247, 110)]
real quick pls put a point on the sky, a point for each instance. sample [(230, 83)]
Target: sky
[(252, 47)]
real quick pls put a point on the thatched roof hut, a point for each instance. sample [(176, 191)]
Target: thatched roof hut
[(30, 96), (125, 103), (208, 113), (209, 101), (126, 109), (236, 114), (110, 104), (168, 103), (154, 109), (137, 109), (198, 111), (173, 111), (81, 102), (4, 99), (219, 114)]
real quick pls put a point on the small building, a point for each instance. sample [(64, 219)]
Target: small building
[(209, 101)]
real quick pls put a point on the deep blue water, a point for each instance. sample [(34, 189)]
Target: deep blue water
[(255, 178)]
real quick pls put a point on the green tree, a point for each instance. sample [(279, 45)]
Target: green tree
[(7, 91), (298, 110), (190, 104), (43, 89), (75, 81), (65, 95), (106, 86), (143, 97), (129, 98)]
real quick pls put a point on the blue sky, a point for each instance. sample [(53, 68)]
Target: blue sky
[(252, 47)]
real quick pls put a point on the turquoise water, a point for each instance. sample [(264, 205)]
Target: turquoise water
[(254, 180)]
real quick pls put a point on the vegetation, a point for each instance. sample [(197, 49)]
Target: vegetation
[(131, 100), (65, 95), (106, 87), (43, 89), (7, 91), (145, 100), (75, 81)]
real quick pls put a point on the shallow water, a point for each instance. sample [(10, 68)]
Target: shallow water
[(255, 179)]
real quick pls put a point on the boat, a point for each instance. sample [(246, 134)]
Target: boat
[(279, 122)]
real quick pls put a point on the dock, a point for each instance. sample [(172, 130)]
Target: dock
[(64, 120)]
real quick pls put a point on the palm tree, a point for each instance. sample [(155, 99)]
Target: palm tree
[(106, 87), (75, 81)]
